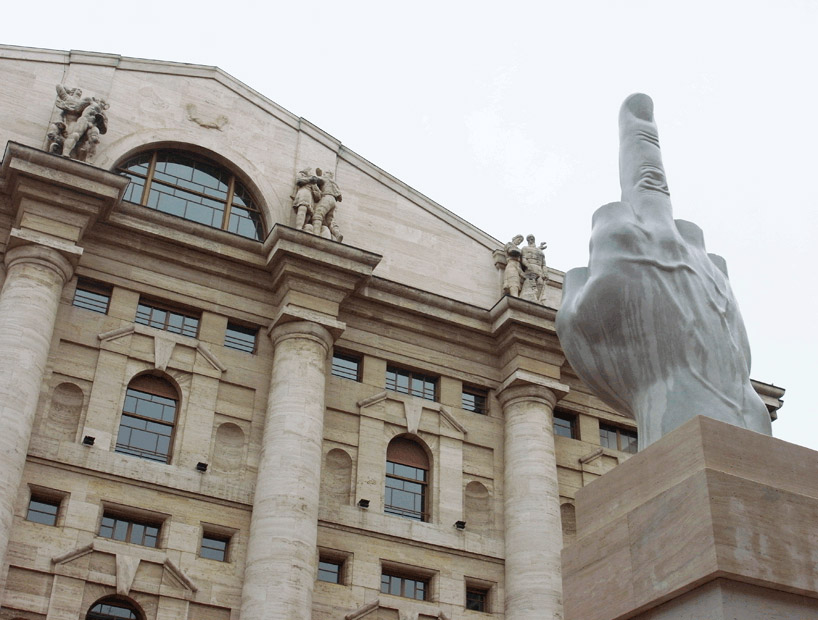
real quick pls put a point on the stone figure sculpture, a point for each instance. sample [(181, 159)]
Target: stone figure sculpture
[(525, 274), (513, 272), (315, 199), (651, 325), (305, 196), (82, 120)]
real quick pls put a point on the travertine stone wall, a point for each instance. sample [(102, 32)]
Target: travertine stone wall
[(533, 531), (28, 308), (281, 559)]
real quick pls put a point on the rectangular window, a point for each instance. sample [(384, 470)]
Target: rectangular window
[(146, 427), (93, 296), (329, 571), (214, 547), (43, 510), (160, 316), (129, 530), (477, 599), (346, 366), (405, 491), (474, 399), (410, 382), (616, 438), (402, 585), (240, 338), (565, 424)]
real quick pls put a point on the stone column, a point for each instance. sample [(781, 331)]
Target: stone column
[(281, 549), (533, 530), (35, 275)]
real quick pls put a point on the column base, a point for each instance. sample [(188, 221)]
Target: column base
[(711, 521)]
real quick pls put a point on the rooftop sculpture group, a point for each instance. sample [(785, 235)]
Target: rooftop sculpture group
[(525, 274), (82, 120), (315, 199), (651, 325)]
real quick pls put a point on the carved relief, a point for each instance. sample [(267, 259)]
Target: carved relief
[(315, 200), (525, 274), (82, 121)]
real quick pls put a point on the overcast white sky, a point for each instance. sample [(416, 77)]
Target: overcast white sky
[(506, 114)]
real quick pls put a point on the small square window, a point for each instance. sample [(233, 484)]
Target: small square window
[(240, 338), (93, 296), (329, 571), (477, 598), (565, 424), (475, 399), (214, 547), (43, 510), (346, 366)]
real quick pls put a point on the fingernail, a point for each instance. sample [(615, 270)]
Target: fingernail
[(641, 106)]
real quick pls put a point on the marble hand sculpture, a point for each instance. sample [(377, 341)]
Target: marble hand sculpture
[(651, 325)]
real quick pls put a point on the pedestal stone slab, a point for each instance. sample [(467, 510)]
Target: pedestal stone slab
[(708, 501)]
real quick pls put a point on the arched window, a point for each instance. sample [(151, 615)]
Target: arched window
[(113, 608), (148, 418), (407, 480), (194, 188)]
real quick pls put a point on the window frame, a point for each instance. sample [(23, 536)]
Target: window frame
[(481, 588), (128, 449), (403, 577), (131, 520), (236, 344), (220, 537), (100, 289), (169, 309), (478, 393), (412, 375), (619, 430), (343, 373), (573, 422), (46, 499), (113, 601), (234, 187)]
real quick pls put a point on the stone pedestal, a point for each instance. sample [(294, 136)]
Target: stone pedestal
[(711, 521)]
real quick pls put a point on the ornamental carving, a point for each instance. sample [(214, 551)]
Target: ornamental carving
[(525, 274), (82, 120)]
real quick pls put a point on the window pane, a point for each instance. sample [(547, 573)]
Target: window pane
[(565, 425), (329, 571), (92, 296), (240, 338), (214, 548), (127, 530), (474, 400), (43, 511), (346, 366)]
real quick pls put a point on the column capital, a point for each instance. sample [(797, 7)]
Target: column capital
[(57, 196), (524, 385), (308, 330), (43, 255)]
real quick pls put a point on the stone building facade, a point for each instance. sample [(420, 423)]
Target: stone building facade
[(214, 407)]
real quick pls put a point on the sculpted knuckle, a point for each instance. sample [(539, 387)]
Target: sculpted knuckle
[(652, 178)]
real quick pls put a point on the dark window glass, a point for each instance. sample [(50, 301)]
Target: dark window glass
[(43, 510), (410, 587), (129, 530), (146, 428), (565, 424), (405, 491), (92, 296), (477, 599), (194, 188), (409, 382), (214, 547), (240, 338), (474, 399), (618, 438), (346, 366), (112, 610), (156, 315), (329, 571)]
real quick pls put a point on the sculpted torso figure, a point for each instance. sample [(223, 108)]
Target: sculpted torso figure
[(324, 214), (82, 120), (513, 273), (651, 325), (307, 193)]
